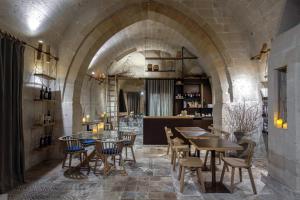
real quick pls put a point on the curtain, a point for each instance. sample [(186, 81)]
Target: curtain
[(133, 102), (160, 96), (122, 104), (11, 130)]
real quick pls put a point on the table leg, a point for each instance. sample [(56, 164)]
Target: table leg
[(214, 186), (213, 168)]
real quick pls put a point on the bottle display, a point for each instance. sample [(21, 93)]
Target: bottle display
[(49, 94), (42, 93), (46, 93)]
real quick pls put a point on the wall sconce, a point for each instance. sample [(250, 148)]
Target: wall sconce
[(95, 129), (100, 77), (88, 118)]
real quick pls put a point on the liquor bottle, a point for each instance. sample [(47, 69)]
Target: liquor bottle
[(49, 94), (42, 93), (46, 93)]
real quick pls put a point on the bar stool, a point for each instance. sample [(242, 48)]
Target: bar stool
[(191, 162)]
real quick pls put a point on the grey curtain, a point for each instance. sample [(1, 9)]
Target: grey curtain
[(133, 102), (122, 104), (160, 96), (11, 130)]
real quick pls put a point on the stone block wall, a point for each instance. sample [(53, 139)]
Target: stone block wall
[(284, 144)]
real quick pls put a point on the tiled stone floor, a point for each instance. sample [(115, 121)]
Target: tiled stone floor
[(150, 178)]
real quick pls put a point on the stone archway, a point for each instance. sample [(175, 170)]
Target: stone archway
[(202, 37)]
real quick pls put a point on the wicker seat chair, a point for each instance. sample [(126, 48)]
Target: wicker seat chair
[(106, 149), (129, 139), (72, 147)]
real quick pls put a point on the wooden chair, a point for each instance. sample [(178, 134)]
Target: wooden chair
[(240, 163), (191, 162), (106, 149), (71, 147), (129, 139), (178, 149)]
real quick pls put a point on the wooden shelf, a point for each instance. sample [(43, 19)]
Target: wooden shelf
[(45, 100), (43, 125), (44, 76), (162, 71), (43, 148)]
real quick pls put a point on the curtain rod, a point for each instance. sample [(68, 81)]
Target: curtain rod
[(29, 45)]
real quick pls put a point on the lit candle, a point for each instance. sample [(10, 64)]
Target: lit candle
[(95, 129), (285, 125), (101, 126), (87, 118), (83, 120), (279, 123)]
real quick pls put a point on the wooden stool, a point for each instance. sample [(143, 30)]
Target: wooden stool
[(191, 162)]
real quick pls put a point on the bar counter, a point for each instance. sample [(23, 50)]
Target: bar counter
[(153, 126)]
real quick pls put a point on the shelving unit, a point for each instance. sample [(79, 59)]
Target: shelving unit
[(43, 125), (198, 86), (45, 74)]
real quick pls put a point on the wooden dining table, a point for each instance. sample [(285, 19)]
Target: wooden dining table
[(214, 144), (195, 134), (188, 129), (190, 133)]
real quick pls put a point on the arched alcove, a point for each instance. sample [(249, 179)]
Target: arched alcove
[(215, 63)]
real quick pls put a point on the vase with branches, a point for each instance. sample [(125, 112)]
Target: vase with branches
[(242, 118)]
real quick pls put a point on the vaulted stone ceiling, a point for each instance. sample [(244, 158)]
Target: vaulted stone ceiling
[(237, 27), (142, 37), (49, 20)]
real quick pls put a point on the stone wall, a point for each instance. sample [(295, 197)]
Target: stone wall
[(284, 144), (31, 112), (92, 98)]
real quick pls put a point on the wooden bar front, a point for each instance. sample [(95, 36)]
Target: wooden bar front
[(154, 127)]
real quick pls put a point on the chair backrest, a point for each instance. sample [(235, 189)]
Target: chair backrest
[(223, 134), (109, 147), (248, 153), (129, 137), (169, 134), (211, 128), (69, 142)]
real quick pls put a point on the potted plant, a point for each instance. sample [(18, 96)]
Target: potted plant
[(242, 118)]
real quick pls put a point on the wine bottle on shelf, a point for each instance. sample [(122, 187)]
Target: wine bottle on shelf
[(42, 93), (49, 94), (49, 120), (45, 140), (41, 142), (49, 139), (46, 93)]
